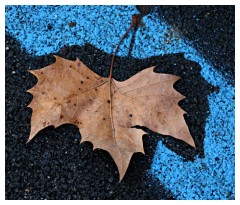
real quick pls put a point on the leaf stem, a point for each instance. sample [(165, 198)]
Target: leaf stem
[(135, 19)]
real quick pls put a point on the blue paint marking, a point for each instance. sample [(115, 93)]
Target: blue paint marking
[(103, 26), (29, 25)]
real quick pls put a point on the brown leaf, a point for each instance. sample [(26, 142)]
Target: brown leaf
[(105, 110)]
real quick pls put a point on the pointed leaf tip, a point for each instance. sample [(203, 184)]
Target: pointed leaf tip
[(177, 78), (152, 68), (192, 143), (28, 140), (32, 72), (57, 57)]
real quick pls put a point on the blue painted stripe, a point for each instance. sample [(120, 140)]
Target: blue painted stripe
[(103, 26)]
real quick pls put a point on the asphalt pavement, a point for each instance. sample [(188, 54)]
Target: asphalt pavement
[(193, 42)]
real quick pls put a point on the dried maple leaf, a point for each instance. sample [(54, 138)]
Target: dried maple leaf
[(105, 110)]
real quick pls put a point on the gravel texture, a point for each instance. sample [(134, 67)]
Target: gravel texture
[(210, 29), (55, 166)]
